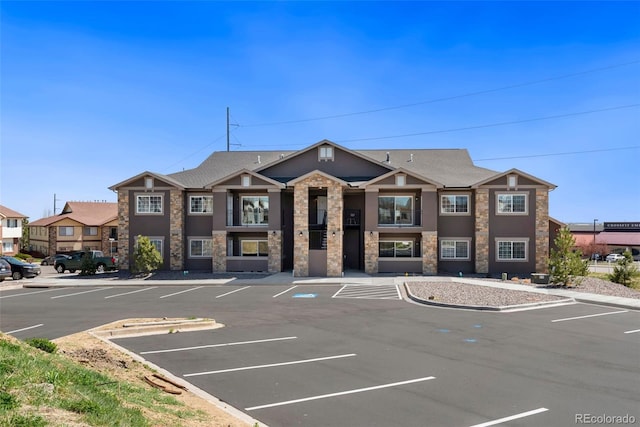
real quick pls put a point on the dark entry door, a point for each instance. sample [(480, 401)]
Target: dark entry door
[(352, 250)]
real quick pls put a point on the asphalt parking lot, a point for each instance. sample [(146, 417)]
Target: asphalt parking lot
[(330, 355)]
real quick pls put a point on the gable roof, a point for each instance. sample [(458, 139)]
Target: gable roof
[(5, 212), (401, 171), (166, 178), (515, 171), (87, 213), (245, 172)]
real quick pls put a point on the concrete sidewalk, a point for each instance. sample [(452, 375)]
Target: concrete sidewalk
[(349, 278)]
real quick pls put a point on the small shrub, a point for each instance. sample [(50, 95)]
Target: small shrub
[(146, 257), (625, 270), (42, 344), (23, 256), (27, 421), (88, 267)]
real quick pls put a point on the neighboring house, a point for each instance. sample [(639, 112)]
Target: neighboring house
[(607, 237), (11, 230), (326, 209), (80, 225)]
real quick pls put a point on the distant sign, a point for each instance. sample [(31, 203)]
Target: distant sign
[(305, 295), (622, 226)]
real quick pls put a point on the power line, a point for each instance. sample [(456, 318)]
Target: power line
[(195, 152), (448, 98), (531, 156), (557, 116)]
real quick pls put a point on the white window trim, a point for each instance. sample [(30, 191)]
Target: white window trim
[(138, 196), (526, 203), (328, 154), (467, 240), (401, 180), (396, 224), (524, 240), (387, 240), (152, 238), (257, 240), (242, 217), (200, 196), (202, 239), (467, 195), (245, 180)]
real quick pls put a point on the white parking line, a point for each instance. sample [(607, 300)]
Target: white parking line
[(271, 365), (80, 293), (30, 293), (512, 417), (341, 393), (181, 292), (590, 315), (284, 292), (132, 292), (218, 345), (232, 292), (632, 332), (24, 329)]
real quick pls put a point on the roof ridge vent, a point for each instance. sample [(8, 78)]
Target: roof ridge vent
[(258, 159), (410, 157)]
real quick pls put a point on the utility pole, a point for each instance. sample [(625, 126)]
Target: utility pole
[(227, 128), (55, 199)]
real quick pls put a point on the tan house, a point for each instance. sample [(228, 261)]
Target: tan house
[(11, 230), (80, 225)]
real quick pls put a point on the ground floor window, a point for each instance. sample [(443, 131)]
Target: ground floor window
[(200, 248), (7, 246), (454, 249), (254, 248), (157, 242), (395, 248), (512, 250)]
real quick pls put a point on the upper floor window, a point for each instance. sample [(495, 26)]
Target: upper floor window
[(12, 223), (200, 204), (395, 248), (255, 210), (90, 231), (113, 232), (146, 204), (148, 183), (200, 248), (512, 203), (246, 180), (454, 249), (325, 152), (254, 248), (512, 250), (401, 180), (454, 204), (395, 210), (65, 231)]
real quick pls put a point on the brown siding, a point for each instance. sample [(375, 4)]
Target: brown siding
[(152, 225)]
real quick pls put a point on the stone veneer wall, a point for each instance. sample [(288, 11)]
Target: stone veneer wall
[(53, 239), (542, 230), (482, 230), (371, 252), (429, 252), (176, 230), (104, 240), (275, 251), (219, 256), (123, 229), (300, 230), (335, 202)]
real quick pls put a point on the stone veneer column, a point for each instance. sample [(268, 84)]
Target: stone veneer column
[(429, 252), (176, 229), (300, 229), (219, 256), (371, 252), (275, 251), (123, 229), (542, 230), (334, 225), (482, 230), (104, 240)]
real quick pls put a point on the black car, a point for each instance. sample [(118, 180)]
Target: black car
[(53, 259), (5, 269), (20, 269)]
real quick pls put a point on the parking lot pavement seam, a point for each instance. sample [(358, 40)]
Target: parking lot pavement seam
[(190, 387)]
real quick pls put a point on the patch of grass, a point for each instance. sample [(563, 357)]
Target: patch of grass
[(635, 282), (32, 379)]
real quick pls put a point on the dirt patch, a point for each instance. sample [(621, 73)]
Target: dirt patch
[(93, 352)]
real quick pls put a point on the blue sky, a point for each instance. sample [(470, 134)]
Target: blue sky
[(93, 93)]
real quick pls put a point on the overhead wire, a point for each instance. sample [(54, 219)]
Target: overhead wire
[(531, 156)]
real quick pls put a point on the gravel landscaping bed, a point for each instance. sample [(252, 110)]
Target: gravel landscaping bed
[(598, 286)]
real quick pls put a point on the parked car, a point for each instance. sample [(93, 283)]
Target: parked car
[(5, 269), (20, 269), (74, 262), (52, 259), (614, 257)]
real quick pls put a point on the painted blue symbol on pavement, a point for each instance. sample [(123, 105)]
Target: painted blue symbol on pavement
[(469, 340), (477, 326), (305, 295), (444, 331)]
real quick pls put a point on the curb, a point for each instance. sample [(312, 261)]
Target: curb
[(157, 328)]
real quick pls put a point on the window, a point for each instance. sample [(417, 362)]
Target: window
[(12, 223), (512, 250), (254, 248), (148, 204), (325, 153), (246, 180), (255, 210), (200, 204), (401, 180), (7, 247), (454, 204), (200, 248), (90, 231), (65, 231), (157, 242), (113, 233), (395, 248), (148, 183), (512, 204), (454, 249), (395, 210)]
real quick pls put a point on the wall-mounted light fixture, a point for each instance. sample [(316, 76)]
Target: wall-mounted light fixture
[(300, 234), (273, 232), (371, 234), (333, 234)]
